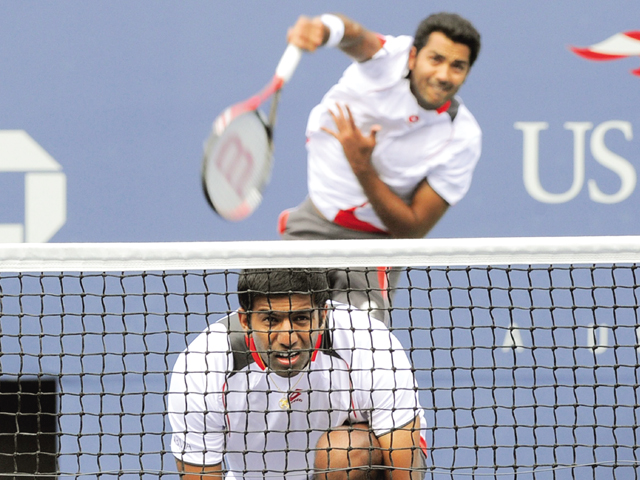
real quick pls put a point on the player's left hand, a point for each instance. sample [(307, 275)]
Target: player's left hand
[(357, 146)]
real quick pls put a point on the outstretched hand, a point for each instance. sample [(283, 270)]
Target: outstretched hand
[(357, 147)]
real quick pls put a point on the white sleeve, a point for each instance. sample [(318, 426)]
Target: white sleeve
[(195, 403), (383, 70), (452, 178), (387, 389)]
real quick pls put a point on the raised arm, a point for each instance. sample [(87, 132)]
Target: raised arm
[(357, 42)]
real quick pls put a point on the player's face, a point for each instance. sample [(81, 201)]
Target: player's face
[(285, 330), (438, 70)]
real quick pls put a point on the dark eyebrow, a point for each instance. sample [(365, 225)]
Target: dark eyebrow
[(460, 62), (436, 53), (292, 312), (306, 312)]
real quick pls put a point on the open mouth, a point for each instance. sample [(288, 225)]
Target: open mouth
[(287, 359)]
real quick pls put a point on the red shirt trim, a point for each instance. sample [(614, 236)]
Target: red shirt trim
[(282, 221), (316, 348), (348, 219), (256, 356), (382, 281), (224, 403), (423, 445), (444, 107)]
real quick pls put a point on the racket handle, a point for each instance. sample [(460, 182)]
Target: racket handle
[(288, 63)]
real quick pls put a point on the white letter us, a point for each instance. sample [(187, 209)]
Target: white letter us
[(605, 157)]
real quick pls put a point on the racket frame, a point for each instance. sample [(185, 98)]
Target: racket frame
[(253, 197)]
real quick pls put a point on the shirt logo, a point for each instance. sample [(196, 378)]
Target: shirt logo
[(181, 444), (620, 45), (414, 118), (292, 397), (295, 396)]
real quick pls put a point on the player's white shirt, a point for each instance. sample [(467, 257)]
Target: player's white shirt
[(412, 145), (209, 395)]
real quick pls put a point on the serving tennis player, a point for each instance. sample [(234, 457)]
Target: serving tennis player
[(290, 386), (390, 146)]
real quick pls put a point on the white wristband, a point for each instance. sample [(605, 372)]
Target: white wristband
[(336, 29)]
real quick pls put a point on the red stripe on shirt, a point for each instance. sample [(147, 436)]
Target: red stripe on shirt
[(382, 281), (282, 221), (423, 445), (348, 219), (444, 107), (317, 347), (256, 356)]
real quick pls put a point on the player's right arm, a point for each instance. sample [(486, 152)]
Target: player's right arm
[(358, 42), (196, 472)]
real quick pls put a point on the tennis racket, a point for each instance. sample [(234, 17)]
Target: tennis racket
[(238, 154)]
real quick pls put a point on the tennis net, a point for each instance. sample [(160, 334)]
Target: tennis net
[(525, 350)]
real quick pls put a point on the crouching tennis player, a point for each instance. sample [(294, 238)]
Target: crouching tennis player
[(291, 386)]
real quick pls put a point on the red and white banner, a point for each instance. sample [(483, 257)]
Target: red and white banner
[(620, 45)]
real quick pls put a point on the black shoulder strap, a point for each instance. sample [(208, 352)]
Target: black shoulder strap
[(241, 354), (326, 346), (453, 109)]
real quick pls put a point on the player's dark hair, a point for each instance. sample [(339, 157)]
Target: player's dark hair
[(282, 282), (456, 28)]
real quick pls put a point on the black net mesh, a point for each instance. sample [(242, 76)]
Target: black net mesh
[(527, 372)]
